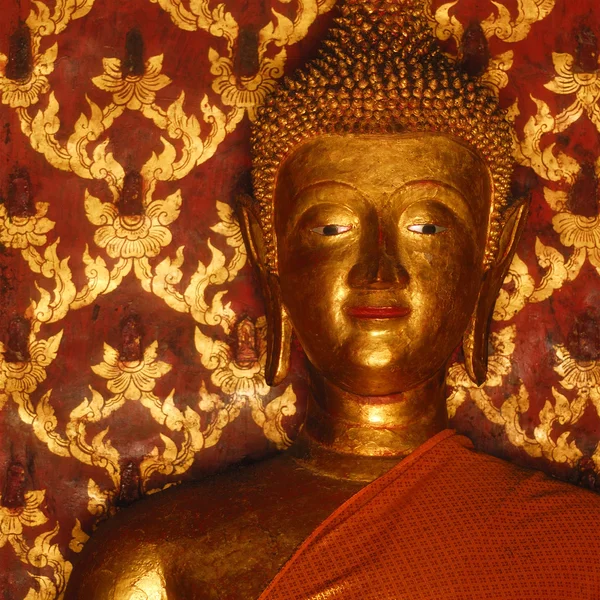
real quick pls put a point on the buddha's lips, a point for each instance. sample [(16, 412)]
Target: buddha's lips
[(377, 312)]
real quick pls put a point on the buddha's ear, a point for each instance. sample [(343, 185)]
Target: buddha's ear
[(475, 341), (279, 328)]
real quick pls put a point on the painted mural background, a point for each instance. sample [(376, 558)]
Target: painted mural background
[(132, 339)]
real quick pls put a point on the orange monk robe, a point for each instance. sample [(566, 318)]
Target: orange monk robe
[(454, 524)]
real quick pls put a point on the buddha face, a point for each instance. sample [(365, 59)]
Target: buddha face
[(380, 242)]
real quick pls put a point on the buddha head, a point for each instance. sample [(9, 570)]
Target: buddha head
[(381, 224)]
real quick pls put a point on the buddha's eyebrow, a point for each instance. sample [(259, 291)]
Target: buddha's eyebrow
[(436, 184), (300, 198), (324, 183)]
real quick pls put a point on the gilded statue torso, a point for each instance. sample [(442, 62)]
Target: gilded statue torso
[(224, 538)]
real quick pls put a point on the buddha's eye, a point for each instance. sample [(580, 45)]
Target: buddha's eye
[(426, 228), (330, 230)]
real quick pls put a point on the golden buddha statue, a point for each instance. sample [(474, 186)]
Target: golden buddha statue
[(381, 228)]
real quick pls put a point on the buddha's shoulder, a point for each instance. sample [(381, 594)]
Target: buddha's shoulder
[(170, 514), (236, 526), (524, 492), (142, 544)]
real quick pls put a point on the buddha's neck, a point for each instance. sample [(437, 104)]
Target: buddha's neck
[(358, 437)]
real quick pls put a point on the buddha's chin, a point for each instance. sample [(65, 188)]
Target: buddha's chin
[(379, 372), (376, 386)]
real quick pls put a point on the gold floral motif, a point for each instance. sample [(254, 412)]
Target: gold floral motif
[(582, 377), (100, 501), (556, 167), (509, 414), (54, 305), (23, 93), (528, 151), (240, 374), (240, 377), (215, 273), (131, 379), (577, 374), (78, 537), (496, 75), (577, 231), (580, 232), (24, 377), (507, 29), (45, 554), (236, 380), (168, 275), (196, 149), (511, 303), (134, 236), (73, 155), (245, 93), (557, 270), (138, 94), (44, 23), (570, 412), (503, 26), (499, 366), (560, 412), (99, 280), (556, 199), (98, 452), (585, 86), (446, 25), (174, 460), (229, 227), (13, 520), (132, 91), (269, 418), (217, 22), (22, 232), (20, 379), (46, 589)]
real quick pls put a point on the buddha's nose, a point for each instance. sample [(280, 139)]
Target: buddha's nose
[(379, 266)]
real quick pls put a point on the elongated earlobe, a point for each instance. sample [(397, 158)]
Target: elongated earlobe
[(279, 328), (279, 338), (475, 341)]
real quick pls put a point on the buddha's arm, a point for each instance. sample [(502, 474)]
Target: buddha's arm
[(120, 571)]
